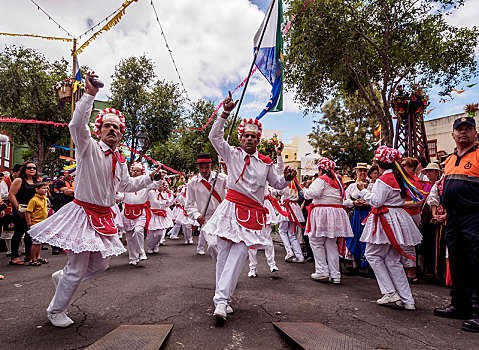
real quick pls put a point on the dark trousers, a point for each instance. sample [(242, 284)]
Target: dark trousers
[(462, 239), (20, 230)]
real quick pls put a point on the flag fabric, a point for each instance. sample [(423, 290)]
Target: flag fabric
[(377, 132), (77, 75), (270, 58)]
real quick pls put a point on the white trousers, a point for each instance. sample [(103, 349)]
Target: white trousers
[(268, 252), (411, 251), (290, 240), (80, 267), (229, 265), (153, 239), (386, 264), (326, 256), (174, 232), (201, 242), (135, 240)]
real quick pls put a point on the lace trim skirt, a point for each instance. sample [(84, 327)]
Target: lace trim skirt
[(329, 222), (70, 229)]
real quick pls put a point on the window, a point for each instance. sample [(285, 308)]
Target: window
[(285, 156), (432, 147), (6, 155)]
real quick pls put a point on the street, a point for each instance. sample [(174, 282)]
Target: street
[(176, 287)]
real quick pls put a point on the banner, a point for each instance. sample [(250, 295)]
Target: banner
[(30, 121), (309, 166)]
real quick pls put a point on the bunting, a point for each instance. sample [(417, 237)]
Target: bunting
[(110, 24), (39, 36), (30, 121)]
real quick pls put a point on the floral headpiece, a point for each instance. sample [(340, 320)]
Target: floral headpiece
[(326, 164), (138, 165), (388, 155), (250, 125), (110, 113)]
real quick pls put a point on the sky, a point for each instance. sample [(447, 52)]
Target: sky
[(211, 42)]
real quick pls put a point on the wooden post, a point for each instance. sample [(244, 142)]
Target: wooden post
[(73, 95)]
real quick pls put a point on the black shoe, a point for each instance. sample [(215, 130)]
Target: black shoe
[(451, 312), (471, 325)]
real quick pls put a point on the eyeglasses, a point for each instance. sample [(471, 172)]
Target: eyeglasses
[(31, 168)]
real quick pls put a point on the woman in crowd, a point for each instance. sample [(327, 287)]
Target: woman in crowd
[(413, 208), (360, 210), (388, 229), (373, 174), (428, 226), (327, 220), (20, 193), (438, 215)]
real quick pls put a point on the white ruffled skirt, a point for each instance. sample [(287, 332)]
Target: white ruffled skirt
[(329, 222), (159, 222), (402, 225), (271, 217), (175, 212), (70, 229), (296, 210), (223, 224), (184, 220)]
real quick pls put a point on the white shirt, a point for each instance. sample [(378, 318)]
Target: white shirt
[(322, 193), (94, 181), (4, 190), (140, 196), (157, 202), (197, 195), (352, 193), (256, 173), (382, 194)]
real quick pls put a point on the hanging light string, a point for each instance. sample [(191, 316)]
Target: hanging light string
[(169, 50), (98, 24), (51, 18)]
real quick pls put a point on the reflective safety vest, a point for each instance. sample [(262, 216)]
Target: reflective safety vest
[(461, 183)]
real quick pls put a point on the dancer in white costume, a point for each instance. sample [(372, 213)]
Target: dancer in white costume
[(239, 220), (183, 221), (327, 220), (197, 193), (136, 216), (271, 204), (160, 218), (85, 227), (387, 228), (289, 225)]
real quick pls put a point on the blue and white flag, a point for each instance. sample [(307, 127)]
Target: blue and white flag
[(270, 58), (77, 76)]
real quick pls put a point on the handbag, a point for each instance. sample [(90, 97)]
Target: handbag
[(22, 208)]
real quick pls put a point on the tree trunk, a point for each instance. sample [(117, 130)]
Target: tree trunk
[(41, 148)]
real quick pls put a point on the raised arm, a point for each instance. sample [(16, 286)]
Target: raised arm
[(79, 124)]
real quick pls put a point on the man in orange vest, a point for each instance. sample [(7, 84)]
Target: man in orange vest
[(461, 200)]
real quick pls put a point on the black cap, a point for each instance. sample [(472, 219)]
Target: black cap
[(464, 120), (203, 158), (16, 168)]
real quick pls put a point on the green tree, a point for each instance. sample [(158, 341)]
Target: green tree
[(344, 133), (372, 47), (27, 77), (149, 105)]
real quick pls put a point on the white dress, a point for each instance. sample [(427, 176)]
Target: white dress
[(159, 200), (401, 223), (327, 222), (289, 194)]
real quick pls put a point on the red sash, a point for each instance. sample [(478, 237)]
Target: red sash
[(379, 214), (101, 218), (134, 211), (312, 206), (275, 204), (291, 216), (249, 213), (208, 187), (159, 212), (182, 208)]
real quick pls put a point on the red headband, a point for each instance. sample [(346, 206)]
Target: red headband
[(203, 160)]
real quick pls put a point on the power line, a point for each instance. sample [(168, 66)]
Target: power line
[(50, 18), (104, 20), (170, 52)]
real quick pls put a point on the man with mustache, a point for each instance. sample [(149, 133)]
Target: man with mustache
[(239, 221), (85, 227), (460, 198)]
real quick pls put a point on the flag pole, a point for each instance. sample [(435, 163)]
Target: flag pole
[(239, 103), (73, 97)]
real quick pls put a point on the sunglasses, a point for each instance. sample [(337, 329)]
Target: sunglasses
[(31, 168)]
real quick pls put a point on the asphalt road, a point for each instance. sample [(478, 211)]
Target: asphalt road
[(176, 287)]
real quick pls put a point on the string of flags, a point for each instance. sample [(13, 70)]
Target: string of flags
[(444, 100)]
